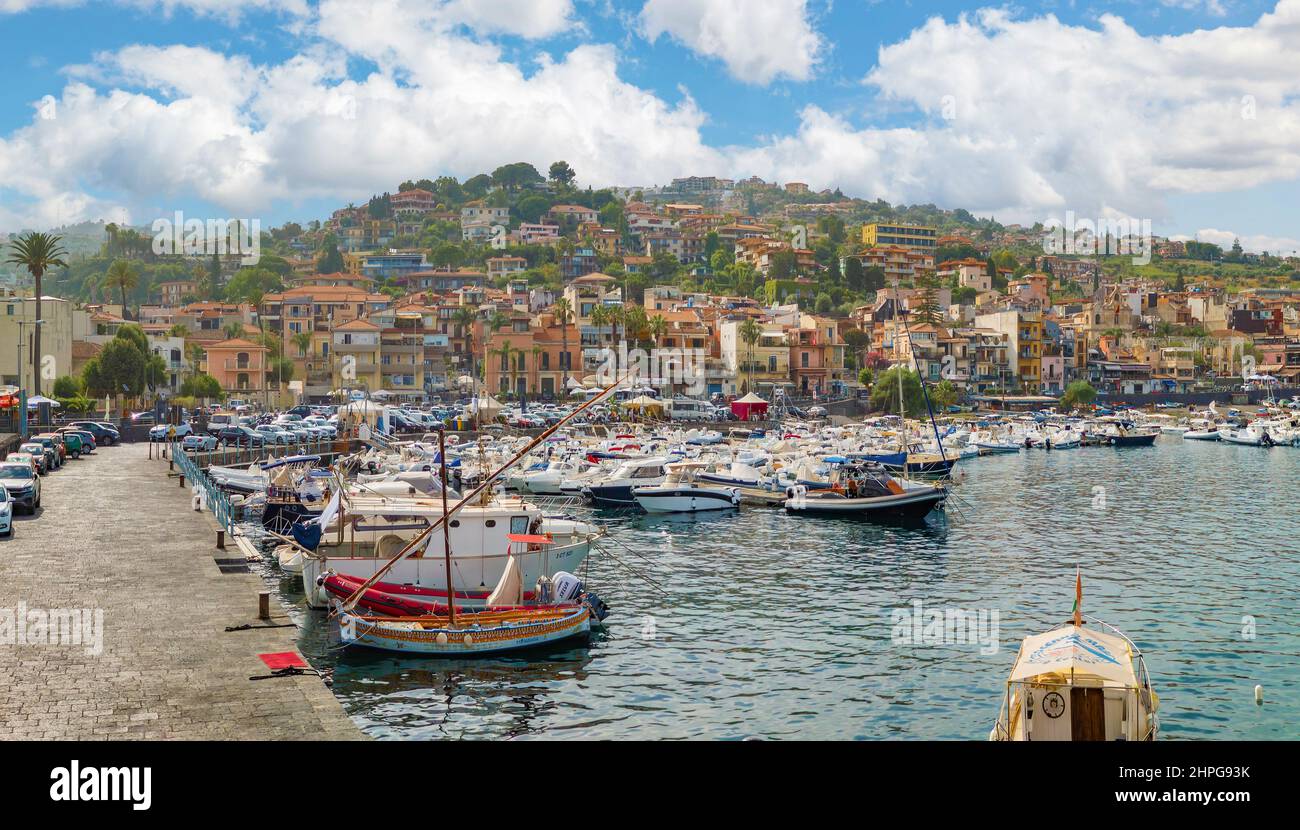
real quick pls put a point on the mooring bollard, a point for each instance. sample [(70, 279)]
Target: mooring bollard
[(264, 605), (221, 540)]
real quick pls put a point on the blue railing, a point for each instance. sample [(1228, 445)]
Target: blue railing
[(214, 498)]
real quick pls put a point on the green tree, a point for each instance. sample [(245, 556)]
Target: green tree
[(67, 387), (1078, 394), (884, 395), (330, 260), (38, 253), (122, 276), (562, 174), (201, 386)]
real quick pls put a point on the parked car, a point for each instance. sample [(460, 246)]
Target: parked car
[(159, 433), (88, 442), (22, 484), (55, 445), (105, 435), (241, 437), (34, 461), (196, 442), (141, 418), (38, 451), (219, 421), (272, 434), (71, 443), (6, 514)]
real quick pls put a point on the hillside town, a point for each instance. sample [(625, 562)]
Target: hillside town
[(523, 283)]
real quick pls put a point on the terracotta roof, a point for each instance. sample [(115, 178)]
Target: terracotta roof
[(84, 349)]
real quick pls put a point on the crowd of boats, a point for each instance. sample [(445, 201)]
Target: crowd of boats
[(475, 547)]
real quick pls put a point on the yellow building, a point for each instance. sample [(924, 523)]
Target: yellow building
[(912, 237), (356, 362)]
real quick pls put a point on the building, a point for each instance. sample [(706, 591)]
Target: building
[(239, 366), (913, 237), (17, 340), (1022, 332)]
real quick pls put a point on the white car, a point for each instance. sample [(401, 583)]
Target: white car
[(159, 433), (275, 435), (199, 443), (6, 514)]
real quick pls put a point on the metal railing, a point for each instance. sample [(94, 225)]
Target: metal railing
[(213, 497)]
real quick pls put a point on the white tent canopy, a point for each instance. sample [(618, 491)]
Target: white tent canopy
[(750, 398), (486, 405)]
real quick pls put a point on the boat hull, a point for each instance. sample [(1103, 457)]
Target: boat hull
[(910, 506), (685, 499), (495, 634), (475, 575)]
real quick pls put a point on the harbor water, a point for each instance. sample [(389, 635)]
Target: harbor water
[(772, 626)]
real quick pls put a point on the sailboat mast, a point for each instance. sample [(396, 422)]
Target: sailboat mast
[(446, 529)]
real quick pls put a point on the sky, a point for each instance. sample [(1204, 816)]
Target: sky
[(1182, 112)]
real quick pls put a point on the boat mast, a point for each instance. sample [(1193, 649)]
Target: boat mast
[(446, 529)]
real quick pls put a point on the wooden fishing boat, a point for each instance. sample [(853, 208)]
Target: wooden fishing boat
[(460, 634), (467, 634), (1078, 683)]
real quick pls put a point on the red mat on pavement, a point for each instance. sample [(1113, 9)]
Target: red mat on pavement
[(283, 660)]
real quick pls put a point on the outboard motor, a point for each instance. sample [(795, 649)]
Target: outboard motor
[(568, 588)]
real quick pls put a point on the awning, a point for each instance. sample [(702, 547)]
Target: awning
[(1074, 651)]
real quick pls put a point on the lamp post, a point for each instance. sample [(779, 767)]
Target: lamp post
[(22, 396)]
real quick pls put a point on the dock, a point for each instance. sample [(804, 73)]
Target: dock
[(117, 533)]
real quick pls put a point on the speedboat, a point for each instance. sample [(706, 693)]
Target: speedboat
[(869, 491), (681, 492), (1201, 435), (1078, 683), (1249, 436), (616, 491)]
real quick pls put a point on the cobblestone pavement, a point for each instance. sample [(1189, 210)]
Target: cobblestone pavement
[(115, 532)]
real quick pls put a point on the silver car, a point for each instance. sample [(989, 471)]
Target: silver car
[(22, 484)]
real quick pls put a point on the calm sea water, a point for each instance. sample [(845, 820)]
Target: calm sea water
[(775, 626)]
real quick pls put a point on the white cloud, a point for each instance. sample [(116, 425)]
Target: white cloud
[(1030, 118), (758, 41), (200, 124), (1255, 243), (228, 10), (1046, 117)]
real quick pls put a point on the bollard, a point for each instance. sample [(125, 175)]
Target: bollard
[(264, 605), (182, 478), (221, 540)]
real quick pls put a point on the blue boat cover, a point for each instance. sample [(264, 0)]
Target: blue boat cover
[(308, 534)]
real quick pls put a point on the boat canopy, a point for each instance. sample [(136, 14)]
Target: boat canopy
[(1079, 652)]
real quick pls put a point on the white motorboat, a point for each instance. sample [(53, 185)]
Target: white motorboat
[(1078, 683), (1250, 436), (369, 531), (1201, 435), (616, 490), (681, 492)]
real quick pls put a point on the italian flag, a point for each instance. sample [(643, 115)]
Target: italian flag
[(1078, 596)]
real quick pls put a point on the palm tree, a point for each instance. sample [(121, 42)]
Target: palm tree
[(564, 316), (507, 354), (38, 253), (657, 327), (537, 368), (750, 332), (303, 341), (233, 330), (495, 323), (121, 276), (464, 318), (178, 330)]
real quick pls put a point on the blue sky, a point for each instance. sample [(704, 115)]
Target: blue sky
[(1055, 110)]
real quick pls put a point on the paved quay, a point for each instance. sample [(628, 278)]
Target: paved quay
[(116, 533)]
